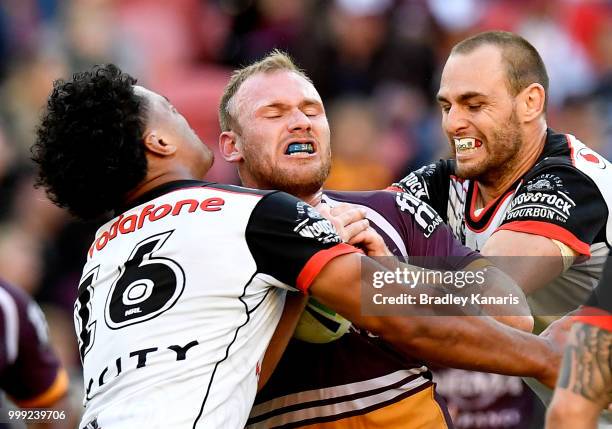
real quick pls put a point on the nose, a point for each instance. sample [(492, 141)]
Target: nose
[(299, 121), (454, 121)]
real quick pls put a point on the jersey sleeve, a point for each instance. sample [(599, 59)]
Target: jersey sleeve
[(559, 202), (595, 316), (429, 183), (291, 241), (33, 376)]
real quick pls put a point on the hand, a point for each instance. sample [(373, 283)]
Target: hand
[(348, 220), (371, 242), (353, 227), (556, 334)]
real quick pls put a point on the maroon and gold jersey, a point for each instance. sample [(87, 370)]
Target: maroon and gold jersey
[(30, 373)]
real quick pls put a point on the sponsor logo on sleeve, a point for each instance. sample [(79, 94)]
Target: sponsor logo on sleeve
[(425, 216), (310, 224), (414, 182), (545, 199)]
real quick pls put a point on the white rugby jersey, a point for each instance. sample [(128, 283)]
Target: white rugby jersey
[(566, 196), (180, 296)]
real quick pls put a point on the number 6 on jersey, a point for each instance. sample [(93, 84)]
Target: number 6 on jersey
[(147, 285)]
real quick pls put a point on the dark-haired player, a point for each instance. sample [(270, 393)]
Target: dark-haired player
[(536, 199), (184, 287), (30, 373)]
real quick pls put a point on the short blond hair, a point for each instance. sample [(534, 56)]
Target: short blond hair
[(274, 61)]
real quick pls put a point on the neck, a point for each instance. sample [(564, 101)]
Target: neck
[(153, 180), (250, 182), (492, 187)]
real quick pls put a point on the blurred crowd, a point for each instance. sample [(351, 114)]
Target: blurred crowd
[(376, 64)]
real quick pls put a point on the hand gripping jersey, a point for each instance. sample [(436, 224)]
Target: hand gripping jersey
[(29, 370), (180, 296), (358, 381), (566, 196)]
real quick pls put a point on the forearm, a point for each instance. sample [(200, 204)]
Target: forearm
[(470, 342), (480, 343), (294, 305)]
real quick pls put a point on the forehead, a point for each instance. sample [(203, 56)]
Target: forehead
[(153, 98), (481, 71), (278, 87)]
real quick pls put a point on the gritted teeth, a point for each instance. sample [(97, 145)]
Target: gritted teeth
[(467, 143), (299, 148)]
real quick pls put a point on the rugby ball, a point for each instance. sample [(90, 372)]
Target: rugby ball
[(319, 324)]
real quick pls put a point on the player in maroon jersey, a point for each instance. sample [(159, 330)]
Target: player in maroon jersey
[(30, 372), (275, 130)]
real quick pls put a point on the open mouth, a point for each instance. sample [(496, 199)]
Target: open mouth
[(467, 144), (300, 148)]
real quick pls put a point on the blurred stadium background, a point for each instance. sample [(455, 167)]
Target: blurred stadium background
[(376, 64)]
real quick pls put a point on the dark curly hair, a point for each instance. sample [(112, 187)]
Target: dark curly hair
[(89, 143)]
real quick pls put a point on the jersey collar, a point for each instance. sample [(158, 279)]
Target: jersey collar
[(161, 190)]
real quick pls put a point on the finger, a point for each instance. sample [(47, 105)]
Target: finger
[(341, 208), (350, 216), (355, 228), (360, 239), (324, 210)]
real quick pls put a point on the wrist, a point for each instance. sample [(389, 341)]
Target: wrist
[(548, 364)]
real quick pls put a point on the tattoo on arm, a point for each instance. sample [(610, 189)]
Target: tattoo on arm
[(586, 368)]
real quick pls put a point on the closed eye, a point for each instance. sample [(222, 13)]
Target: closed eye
[(474, 107)]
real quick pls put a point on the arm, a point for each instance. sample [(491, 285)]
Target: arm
[(350, 223), (477, 343), (531, 260), (294, 305), (585, 383), (554, 217)]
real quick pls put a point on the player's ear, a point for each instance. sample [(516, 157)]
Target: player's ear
[(229, 147), (154, 142), (531, 102)]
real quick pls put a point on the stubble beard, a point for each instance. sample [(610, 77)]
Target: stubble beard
[(268, 176), (502, 154)]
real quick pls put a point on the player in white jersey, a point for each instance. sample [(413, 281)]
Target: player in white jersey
[(185, 284), (537, 200)]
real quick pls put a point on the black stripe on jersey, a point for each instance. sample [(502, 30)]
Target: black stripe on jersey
[(344, 398), (556, 145), (335, 417), (212, 377), (260, 302), (488, 213)]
